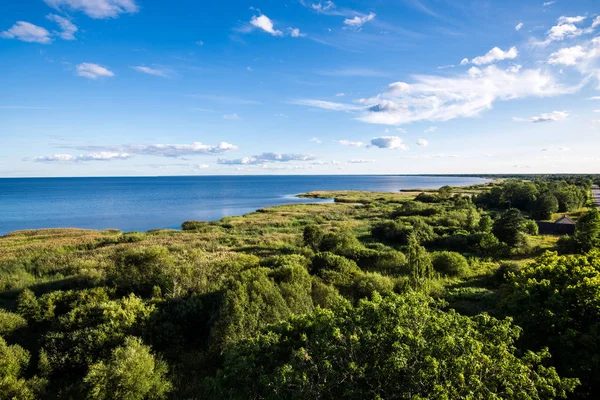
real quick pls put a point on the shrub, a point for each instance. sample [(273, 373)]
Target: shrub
[(391, 347), (131, 373), (369, 282), (313, 237), (334, 269), (450, 263), (10, 322), (140, 269)]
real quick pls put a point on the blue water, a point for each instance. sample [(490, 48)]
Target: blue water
[(165, 202)]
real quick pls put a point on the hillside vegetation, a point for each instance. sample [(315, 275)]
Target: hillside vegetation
[(442, 294)]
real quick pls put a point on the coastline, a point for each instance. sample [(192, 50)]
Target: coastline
[(299, 199)]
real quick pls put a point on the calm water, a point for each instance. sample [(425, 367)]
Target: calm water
[(165, 202)]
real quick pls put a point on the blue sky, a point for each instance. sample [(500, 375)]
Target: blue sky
[(141, 87)]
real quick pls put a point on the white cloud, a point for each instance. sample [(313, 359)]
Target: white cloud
[(596, 22), (360, 161), (554, 116), (26, 32), (567, 56), (350, 143), (340, 94), (422, 142), (323, 6), (200, 43), (264, 23), (565, 28), (233, 116), (496, 54), (549, 3), (316, 140), (556, 148), (389, 142), (327, 105), (164, 150), (437, 98), (401, 130), (98, 9), (519, 26), (571, 20), (151, 71), (265, 158), (93, 71), (431, 129), (68, 29), (464, 61), (295, 32), (102, 156), (429, 156), (594, 98), (357, 22)]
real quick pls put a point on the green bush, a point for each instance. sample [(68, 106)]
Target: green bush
[(10, 322), (388, 348), (131, 373), (556, 299), (140, 269), (450, 263), (369, 282), (334, 269)]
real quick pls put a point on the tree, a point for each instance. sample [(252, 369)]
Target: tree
[(313, 237), (450, 263), (556, 299), (13, 361), (485, 224), (393, 347), (545, 205), (445, 191), (419, 262), (587, 231), (131, 373), (510, 228)]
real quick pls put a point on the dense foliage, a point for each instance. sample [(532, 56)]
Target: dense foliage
[(378, 295), (389, 348)]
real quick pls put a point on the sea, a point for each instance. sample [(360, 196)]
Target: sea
[(144, 203)]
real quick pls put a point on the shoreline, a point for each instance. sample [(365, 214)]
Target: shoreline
[(325, 197)]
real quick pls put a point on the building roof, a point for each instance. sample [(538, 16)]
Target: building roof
[(565, 220)]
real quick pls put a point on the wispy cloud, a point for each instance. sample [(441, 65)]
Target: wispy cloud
[(349, 143), (357, 21), (327, 105), (68, 29), (102, 156), (99, 9), (27, 32), (554, 116), (360, 161), (519, 26), (440, 98), (264, 158), (151, 71), (233, 116), (164, 150), (422, 143), (93, 71), (428, 156)]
